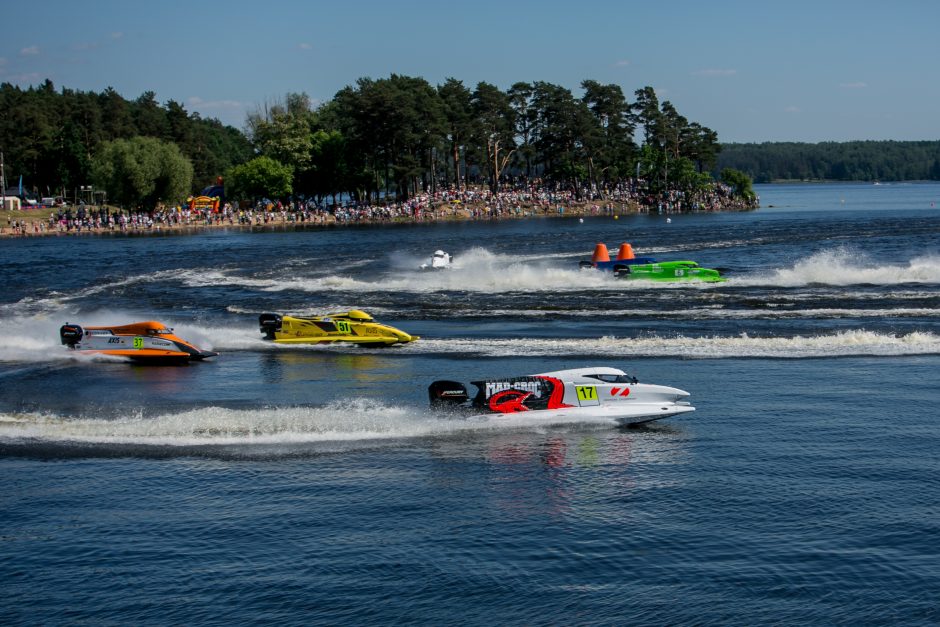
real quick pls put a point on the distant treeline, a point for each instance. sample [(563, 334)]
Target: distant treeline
[(835, 161), (50, 137), (397, 136)]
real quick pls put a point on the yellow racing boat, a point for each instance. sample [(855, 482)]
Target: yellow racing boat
[(353, 326)]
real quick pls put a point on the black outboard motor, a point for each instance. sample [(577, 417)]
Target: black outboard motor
[(270, 323), (71, 334), (447, 394)]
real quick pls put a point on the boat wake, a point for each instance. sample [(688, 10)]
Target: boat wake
[(846, 267), (842, 344), (265, 429), (477, 270), (481, 271), (36, 340)]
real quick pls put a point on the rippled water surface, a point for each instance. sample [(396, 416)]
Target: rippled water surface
[(312, 485)]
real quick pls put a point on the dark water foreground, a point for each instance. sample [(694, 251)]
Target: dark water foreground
[(312, 486)]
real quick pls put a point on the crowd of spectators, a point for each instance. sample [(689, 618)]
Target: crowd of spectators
[(479, 203)]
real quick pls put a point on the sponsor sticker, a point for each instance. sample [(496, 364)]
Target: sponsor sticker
[(533, 387)]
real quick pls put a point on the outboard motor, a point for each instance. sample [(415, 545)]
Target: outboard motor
[(444, 394), (71, 334), (270, 323), (621, 270)]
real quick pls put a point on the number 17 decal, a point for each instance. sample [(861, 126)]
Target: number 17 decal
[(586, 392)]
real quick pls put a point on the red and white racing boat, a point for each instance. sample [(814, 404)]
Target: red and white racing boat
[(597, 394)]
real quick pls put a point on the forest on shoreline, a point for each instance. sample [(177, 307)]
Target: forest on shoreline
[(400, 137), (375, 141), (866, 161)]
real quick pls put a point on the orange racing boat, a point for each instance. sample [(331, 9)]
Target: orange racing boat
[(142, 342)]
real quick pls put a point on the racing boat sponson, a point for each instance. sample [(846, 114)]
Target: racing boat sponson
[(581, 394), (353, 326), (143, 342), (629, 266)]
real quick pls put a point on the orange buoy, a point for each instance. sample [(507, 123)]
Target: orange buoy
[(625, 252), (600, 253)]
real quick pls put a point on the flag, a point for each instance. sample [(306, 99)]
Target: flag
[(21, 184)]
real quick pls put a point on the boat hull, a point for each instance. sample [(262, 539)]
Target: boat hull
[(668, 272), (596, 394), (331, 329), (637, 415), (141, 342)]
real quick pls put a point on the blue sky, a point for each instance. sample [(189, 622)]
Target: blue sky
[(750, 70)]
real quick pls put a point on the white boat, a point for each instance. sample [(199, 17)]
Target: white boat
[(596, 394), (439, 261)]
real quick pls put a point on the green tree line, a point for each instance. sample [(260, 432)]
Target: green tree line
[(835, 161), (393, 137), (52, 138), (401, 136)]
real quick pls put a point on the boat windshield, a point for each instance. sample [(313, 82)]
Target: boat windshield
[(613, 378)]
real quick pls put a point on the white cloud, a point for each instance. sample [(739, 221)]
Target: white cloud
[(622, 63), (305, 46), (793, 109), (715, 72), (31, 50), (855, 85), (117, 35)]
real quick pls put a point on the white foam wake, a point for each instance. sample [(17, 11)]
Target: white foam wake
[(356, 419), (346, 421), (846, 267), (56, 301), (477, 270), (842, 344)]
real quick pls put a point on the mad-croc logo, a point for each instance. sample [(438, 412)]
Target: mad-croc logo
[(532, 387)]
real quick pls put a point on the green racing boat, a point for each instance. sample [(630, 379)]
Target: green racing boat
[(629, 266)]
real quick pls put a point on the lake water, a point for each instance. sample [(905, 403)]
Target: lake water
[(311, 485)]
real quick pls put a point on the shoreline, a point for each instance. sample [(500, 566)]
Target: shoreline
[(36, 222)]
